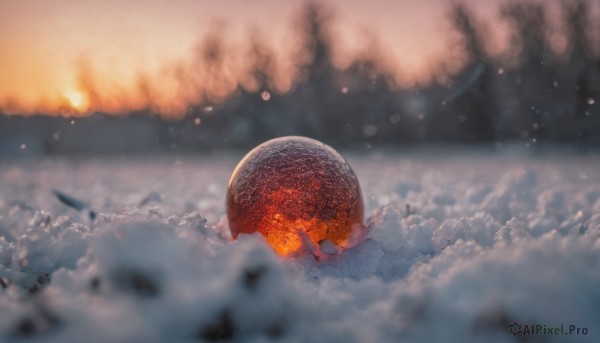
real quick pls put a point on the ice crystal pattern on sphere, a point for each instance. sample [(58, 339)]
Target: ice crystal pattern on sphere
[(298, 193)]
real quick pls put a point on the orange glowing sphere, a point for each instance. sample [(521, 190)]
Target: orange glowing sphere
[(296, 192)]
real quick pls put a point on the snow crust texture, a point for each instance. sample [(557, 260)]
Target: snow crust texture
[(461, 246)]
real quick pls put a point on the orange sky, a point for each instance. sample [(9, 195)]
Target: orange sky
[(45, 45)]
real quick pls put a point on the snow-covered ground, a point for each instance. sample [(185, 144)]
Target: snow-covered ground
[(462, 245)]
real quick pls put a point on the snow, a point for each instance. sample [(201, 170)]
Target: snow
[(461, 245)]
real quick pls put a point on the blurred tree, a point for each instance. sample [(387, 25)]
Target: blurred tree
[(369, 95), (313, 96), (467, 111), (257, 102), (533, 78), (582, 71), (348, 106)]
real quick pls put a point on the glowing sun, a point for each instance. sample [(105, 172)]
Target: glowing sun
[(76, 100)]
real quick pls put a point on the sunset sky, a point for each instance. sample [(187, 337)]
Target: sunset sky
[(48, 47)]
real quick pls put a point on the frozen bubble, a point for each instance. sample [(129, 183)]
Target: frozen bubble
[(296, 192)]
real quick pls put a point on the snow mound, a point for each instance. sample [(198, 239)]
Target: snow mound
[(458, 256)]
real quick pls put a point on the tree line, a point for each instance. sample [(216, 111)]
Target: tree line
[(531, 90)]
